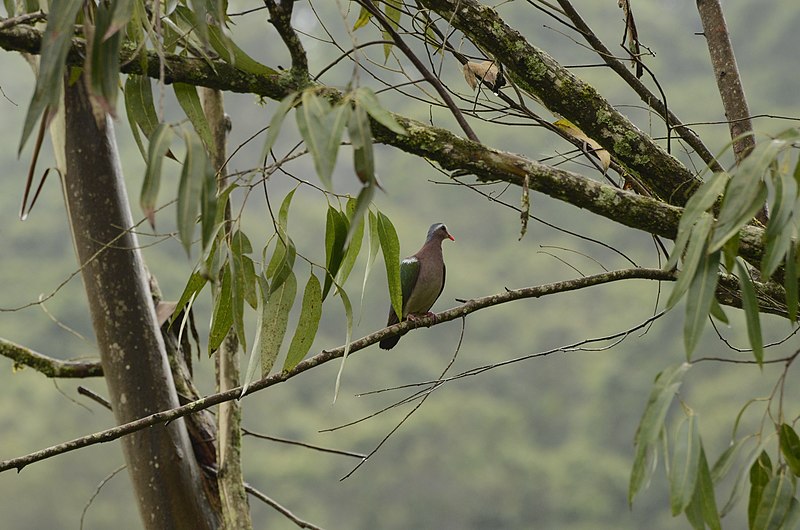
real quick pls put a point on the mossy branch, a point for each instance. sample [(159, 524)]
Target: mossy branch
[(48, 366)]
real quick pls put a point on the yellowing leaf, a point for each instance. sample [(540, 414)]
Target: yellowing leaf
[(486, 71), (595, 148)]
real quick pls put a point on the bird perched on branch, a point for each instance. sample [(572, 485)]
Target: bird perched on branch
[(422, 280)]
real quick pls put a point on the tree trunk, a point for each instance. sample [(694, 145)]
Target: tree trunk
[(160, 461)]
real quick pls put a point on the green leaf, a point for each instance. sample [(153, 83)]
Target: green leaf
[(321, 127), (392, 12), (390, 245), (275, 123), (699, 300), (717, 312), (353, 242), (190, 103), (140, 110), (695, 253), (775, 502), (208, 205), (724, 463), (374, 243), (790, 282), (104, 53), (790, 448), (276, 316), (750, 306), (160, 141), (283, 258), (778, 236), (231, 53), (56, 43), (307, 325), (194, 285), (793, 516), (684, 464), (760, 474), (360, 133), (348, 311), (703, 501), (222, 316), (366, 98), (262, 290), (650, 426), (363, 18), (244, 272), (196, 170), (122, 13), (336, 227), (699, 203)]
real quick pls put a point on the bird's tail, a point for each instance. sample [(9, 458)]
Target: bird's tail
[(390, 342)]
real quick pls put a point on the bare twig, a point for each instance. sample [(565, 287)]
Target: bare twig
[(94, 396), (302, 444), (325, 356), (279, 507)]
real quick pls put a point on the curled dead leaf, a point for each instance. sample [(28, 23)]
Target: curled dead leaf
[(592, 145), (486, 71)]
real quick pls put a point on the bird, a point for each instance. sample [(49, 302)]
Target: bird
[(422, 280)]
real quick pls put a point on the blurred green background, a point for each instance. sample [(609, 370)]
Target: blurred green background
[(543, 443)]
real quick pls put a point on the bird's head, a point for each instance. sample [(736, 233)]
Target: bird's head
[(439, 232)]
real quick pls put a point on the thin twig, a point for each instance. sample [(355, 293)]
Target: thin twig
[(279, 507), (301, 444)]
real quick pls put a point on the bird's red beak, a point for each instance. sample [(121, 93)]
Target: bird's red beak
[(451, 238)]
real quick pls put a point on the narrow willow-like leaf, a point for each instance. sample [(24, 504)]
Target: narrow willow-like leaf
[(190, 103), (336, 227), (775, 502), (195, 170), (790, 282), (307, 325), (684, 464), (336, 122), (56, 42), (316, 121), (285, 262), (792, 518), (352, 243), (275, 123), (367, 98), (160, 141), (348, 312), (139, 104), (704, 198), (208, 205), (276, 316), (725, 461), (779, 231), (704, 494), (750, 306), (760, 475), (374, 243), (790, 448), (392, 12), (360, 133), (104, 56), (363, 19), (200, 10), (667, 384), (123, 11), (231, 53), (699, 300), (717, 312), (390, 245), (194, 285), (695, 252), (255, 355), (222, 316)]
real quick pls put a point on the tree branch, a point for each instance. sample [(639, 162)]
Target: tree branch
[(566, 95), (48, 366), (280, 14), (646, 95), (726, 73), (328, 355)]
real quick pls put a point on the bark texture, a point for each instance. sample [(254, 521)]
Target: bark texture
[(160, 460)]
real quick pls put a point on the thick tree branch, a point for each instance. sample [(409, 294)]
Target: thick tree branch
[(280, 13), (449, 150), (49, 366), (566, 95), (328, 355), (648, 97)]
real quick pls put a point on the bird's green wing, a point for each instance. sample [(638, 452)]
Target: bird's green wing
[(409, 272)]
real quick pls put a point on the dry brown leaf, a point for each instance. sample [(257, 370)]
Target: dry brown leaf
[(487, 71)]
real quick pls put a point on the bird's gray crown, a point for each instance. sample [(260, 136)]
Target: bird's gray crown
[(436, 227)]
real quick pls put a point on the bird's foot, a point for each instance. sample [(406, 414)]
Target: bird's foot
[(413, 318)]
